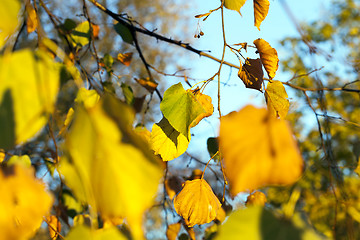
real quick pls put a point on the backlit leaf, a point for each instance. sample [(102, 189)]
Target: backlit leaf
[(20, 192), (181, 108), (21, 114), (268, 56), (172, 231), (261, 8), (251, 73), (205, 102), (258, 150), (197, 203), (256, 199), (9, 12), (23, 160), (118, 179), (31, 21), (80, 36), (125, 58), (276, 99), (234, 4), (167, 142)]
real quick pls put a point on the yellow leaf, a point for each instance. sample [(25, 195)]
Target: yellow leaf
[(268, 56), (9, 12), (23, 160), (31, 21), (197, 203), (68, 120), (251, 73), (166, 141), (118, 179), (276, 99), (256, 199), (87, 97), (28, 90), (205, 102), (83, 232), (125, 58), (258, 150), (23, 203), (54, 226), (234, 4), (172, 231), (2, 156), (261, 8)]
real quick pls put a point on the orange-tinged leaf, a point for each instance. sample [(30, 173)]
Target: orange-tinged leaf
[(31, 20), (205, 102), (147, 84), (2, 156), (268, 56), (276, 99), (172, 231), (258, 150), (234, 4), (166, 141), (256, 199), (54, 226), (197, 203), (23, 203), (125, 58), (261, 9), (95, 30), (251, 73)]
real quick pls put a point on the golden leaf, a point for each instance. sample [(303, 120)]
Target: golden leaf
[(276, 99), (54, 226), (197, 203), (95, 30), (251, 73), (256, 199), (205, 102), (172, 231), (268, 56), (261, 9), (9, 12), (258, 150), (31, 20), (166, 141), (234, 4), (23, 203), (147, 84), (125, 58)]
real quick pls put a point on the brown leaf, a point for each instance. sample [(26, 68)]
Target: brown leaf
[(197, 203), (251, 73), (125, 58), (268, 56), (146, 83), (261, 8), (172, 231)]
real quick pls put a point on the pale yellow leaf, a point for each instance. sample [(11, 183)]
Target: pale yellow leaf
[(251, 73), (197, 203), (234, 4), (125, 58), (23, 203), (261, 9), (166, 141), (258, 150), (205, 102), (268, 56), (172, 231), (31, 20), (256, 199), (9, 12), (276, 99)]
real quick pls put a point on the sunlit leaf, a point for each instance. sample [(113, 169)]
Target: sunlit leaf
[(23, 203), (54, 226), (167, 142), (118, 179), (125, 58), (251, 73), (23, 160), (268, 56), (124, 33), (197, 203), (9, 12), (261, 8), (2, 156), (256, 199), (31, 21), (95, 30), (234, 4), (205, 102), (276, 99), (80, 35), (172, 231), (258, 150), (27, 96), (257, 223), (128, 93), (89, 98), (83, 232), (147, 84), (181, 108)]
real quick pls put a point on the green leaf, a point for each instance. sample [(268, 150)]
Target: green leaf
[(257, 223), (180, 108), (108, 62), (80, 36), (68, 25), (124, 33), (24, 75), (213, 147), (128, 93), (234, 4), (23, 160), (276, 99)]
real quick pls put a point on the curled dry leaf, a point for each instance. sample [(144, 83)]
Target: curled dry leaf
[(251, 73), (261, 9), (258, 150), (256, 199), (125, 58), (268, 56), (276, 99), (197, 203)]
